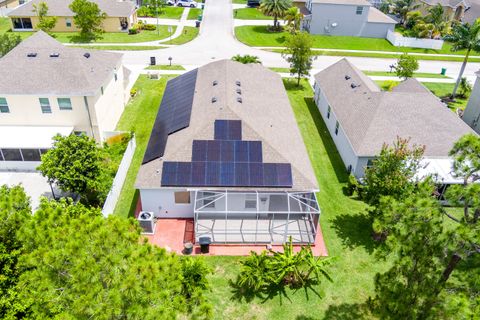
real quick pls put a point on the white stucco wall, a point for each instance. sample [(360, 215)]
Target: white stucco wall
[(162, 203), (472, 111)]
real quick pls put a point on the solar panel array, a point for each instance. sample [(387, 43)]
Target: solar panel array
[(226, 161), (173, 115)]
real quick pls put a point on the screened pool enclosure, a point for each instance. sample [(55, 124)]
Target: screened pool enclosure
[(256, 217)]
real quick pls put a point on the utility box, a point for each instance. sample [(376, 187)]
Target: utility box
[(147, 222), (153, 61)]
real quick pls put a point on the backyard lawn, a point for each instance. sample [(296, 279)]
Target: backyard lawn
[(120, 47), (165, 67), (188, 34), (250, 14), (194, 13), (415, 75)]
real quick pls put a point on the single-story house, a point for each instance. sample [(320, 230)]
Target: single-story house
[(121, 15), (472, 112), (346, 18), (226, 151), (361, 118), (47, 84), (454, 9)]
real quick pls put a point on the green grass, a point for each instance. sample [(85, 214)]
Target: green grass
[(188, 34), (122, 48), (171, 13), (4, 25), (166, 67), (259, 36), (346, 230), (194, 13), (239, 1), (382, 55), (281, 70), (415, 75), (138, 117), (250, 14)]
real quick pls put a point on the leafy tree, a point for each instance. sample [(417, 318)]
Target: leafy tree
[(15, 212), (88, 17), (464, 37), (8, 41), (465, 88), (412, 19), (246, 59), (406, 66), (156, 6), (275, 9), (434, 25), (195, 284), (385, 6), (45, 23), (293, 18), (299, 54), (75, 164), (402, 7), (79, 265), (393, 172)]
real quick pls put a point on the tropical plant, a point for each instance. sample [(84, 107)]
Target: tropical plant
[(412, 19), (254, 272), (464, 37), (434, 25), (406, 66), (45, 23), (465, 87), (195, 284), (88, 17), (8, 41), (275, 9), (293, 18), (402, 7), (299, 54), (246, 59)]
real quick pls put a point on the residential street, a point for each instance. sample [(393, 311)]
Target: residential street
[(217, 41)]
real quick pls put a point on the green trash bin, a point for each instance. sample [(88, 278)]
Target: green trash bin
[(199, 18), (444, 71)]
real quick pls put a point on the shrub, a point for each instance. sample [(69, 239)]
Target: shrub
[(144, 12), (352, 185), (149, 27), (133, 31), (194, 284), (133, 92)]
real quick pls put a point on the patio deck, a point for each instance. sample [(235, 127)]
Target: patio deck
[(173, 233)]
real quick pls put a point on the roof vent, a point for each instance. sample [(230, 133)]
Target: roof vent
[(238, 83), (214, 99), (86, 55), (347, 77), (215, 82), (239, 99), (353, 85), (54, 55), (32, 54), (239, 91)]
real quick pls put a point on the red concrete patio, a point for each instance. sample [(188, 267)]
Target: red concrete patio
[(173, 233)]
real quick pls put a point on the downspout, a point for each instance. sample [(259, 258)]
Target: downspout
[(89, 116)]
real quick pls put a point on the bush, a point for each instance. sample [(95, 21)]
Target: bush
[(133, 92), (149, 27), (133, 31), (194, 285), (352, 185), (144, 12)]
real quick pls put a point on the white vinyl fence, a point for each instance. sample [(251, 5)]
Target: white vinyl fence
[(117, 185), (400, 41)]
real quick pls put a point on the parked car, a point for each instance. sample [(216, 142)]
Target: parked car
[(187, 3), (253, 3), (170, 2)]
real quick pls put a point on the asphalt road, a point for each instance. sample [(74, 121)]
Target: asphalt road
[(217, 41)]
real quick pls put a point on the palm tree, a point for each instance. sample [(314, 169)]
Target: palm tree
[(402, 8), (245, 59), (464, 37), (435, 24), (293, 17), (275, 9)]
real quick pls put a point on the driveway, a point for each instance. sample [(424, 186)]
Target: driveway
[(34, 184)]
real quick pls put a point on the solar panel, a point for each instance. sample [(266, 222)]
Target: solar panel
[(241, 151), (199, 150), (220, 130), (212, 174), (228, 130), (227, 151), (256, 174), (284, 174), (242, 174), (184, 174), (169, 173), (270, 174), (255, 151), (213, 150), (227, 174), (199, 174)]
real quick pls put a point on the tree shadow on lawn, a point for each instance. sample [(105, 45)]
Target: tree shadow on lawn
[(348, 311), (280, 39), (355, 230)]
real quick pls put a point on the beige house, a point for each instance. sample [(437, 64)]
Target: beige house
[(49, 88), (454, 9), (121, 15)]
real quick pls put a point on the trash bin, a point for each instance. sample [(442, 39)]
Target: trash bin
[(200, 17), (444, 71), (153, 61), (197, 24), (187, 248), (204, 244)]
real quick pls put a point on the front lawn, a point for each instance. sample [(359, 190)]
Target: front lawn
[(259, 36), (188, 34), (194, 13), (165, 67), (415, 75), (4, 25), (250, 14), (121, 48), (168, 12)]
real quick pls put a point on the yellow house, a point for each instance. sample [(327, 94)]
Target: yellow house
[(121, 15), (454, 9), (9, 4)]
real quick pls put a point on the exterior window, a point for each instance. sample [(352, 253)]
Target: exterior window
[(369, 163), (12, 155), (22, 23), (4, 106), (45, 105), (64, 103), (250, 201), (30, 155), (210, 201), (336, 127), (43, 151), (359, 10), (68, 22), (115, 76), (182, 197), (328, 112)]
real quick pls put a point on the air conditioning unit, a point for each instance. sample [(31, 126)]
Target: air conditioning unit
[(146, 220)]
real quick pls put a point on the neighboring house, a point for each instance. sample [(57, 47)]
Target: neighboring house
[(472, 112), (120, 15), (10, 3), (346, 18), (47, 84), (361, 118), (226, 151), (473, 12), (454, 9)]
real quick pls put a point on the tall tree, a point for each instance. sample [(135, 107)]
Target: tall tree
[(464, 37), (45, 23), (8, 41), (246, 59), (88, 17), (434, 25), (275, 9), (156, 6), (75, 164), (406, 66), (402, 7), (299, 54), (293, 19)]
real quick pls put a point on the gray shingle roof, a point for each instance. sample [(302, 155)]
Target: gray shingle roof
[(377, 16), (265, 112), (370, 117), (345, 2), (446, 3), (59, 8), (71, 73)]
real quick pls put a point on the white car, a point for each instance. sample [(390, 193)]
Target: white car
[(171, 2), (187, 3)]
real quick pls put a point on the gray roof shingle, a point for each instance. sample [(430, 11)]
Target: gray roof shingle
[(71, 73)]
